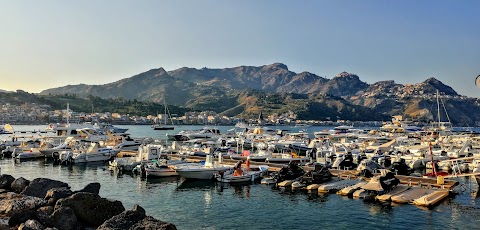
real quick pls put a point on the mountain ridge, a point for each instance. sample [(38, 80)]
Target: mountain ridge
[(224, 90)]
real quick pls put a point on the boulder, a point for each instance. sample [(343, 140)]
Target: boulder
[(124, 220), (55, 194), (6, 181), (20, 217), (92, 188), (19, 184), (40, 186), (16, 203), (31, 225), (135, 219), (91, 208), (63, 218), (150, 223), (43, 213)]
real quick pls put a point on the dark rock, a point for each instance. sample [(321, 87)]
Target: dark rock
[(150, 223), (63, 218), (135, 219), (4, 226), (124, 220), (91, 208), (55, 194), (92, 188), (43, 213), (6, 181), (16, 203), (19, 184), (40, 186), (31, 225), (20, 217)]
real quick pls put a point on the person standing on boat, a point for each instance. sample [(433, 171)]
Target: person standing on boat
[(237, 169), (247, 164)]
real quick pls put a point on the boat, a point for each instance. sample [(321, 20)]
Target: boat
[(351, 189), (87, 153), (162, 168), (432, 198), (247, 175), (145, 154), (205, 171), (186, 135), (410, 195), (164, 126), (335, 186), (395, 191), (6, 129)]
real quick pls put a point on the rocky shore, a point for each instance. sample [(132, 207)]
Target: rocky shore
[(49, 204)]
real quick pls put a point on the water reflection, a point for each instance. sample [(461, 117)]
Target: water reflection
[(186, 185)]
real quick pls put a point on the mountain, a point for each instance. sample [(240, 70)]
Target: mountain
[(246, 90)]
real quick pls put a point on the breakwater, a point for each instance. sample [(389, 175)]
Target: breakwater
[(45, 203)]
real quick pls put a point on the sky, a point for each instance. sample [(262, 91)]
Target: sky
[(46, 44)]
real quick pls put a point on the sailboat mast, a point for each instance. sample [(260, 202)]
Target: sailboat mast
[(438, 108), (165, 111)]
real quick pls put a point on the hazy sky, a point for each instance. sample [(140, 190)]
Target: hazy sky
[(46, 44)]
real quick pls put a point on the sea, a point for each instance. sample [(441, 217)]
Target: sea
[(211, 205)]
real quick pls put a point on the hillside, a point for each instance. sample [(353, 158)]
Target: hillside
[(245, 90)]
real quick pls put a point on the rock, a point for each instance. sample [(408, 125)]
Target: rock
[(20, 217), (16, 203), (63, 218), (135, 219), (124, 220), (31, 225), (92, 188), (40, 186), (43, 213), (55, 194), (3, 190), (150, 223), (91, 208), (6, 181), (4, 226), (19, 184)]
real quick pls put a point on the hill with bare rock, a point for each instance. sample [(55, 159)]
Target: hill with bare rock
[(246, 90)]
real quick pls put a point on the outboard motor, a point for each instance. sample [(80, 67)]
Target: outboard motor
[(347, 162), (400, 167)]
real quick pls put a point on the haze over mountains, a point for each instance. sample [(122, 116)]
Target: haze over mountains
[(247, 90)]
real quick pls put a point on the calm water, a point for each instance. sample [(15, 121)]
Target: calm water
[(209, 205)]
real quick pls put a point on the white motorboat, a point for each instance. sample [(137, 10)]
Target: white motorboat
[(247, 175), (90, 153), (145, 154), (201, 171), (163, 168)]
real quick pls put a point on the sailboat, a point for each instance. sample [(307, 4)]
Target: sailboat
[(164, 126)]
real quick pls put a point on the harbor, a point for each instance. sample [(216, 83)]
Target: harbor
[(185, 202)]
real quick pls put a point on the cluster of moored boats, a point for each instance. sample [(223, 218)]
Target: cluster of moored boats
[(378, 156)]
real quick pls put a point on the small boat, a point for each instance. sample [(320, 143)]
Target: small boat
[(396, 190), (313, 187), (351, 189), (361, 193), (28, 154), (432, 198), (163, 168), (200, 171), (250, 175), (285, 183), (410, 195), (85, 154), (335, 186), (166, 115)]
